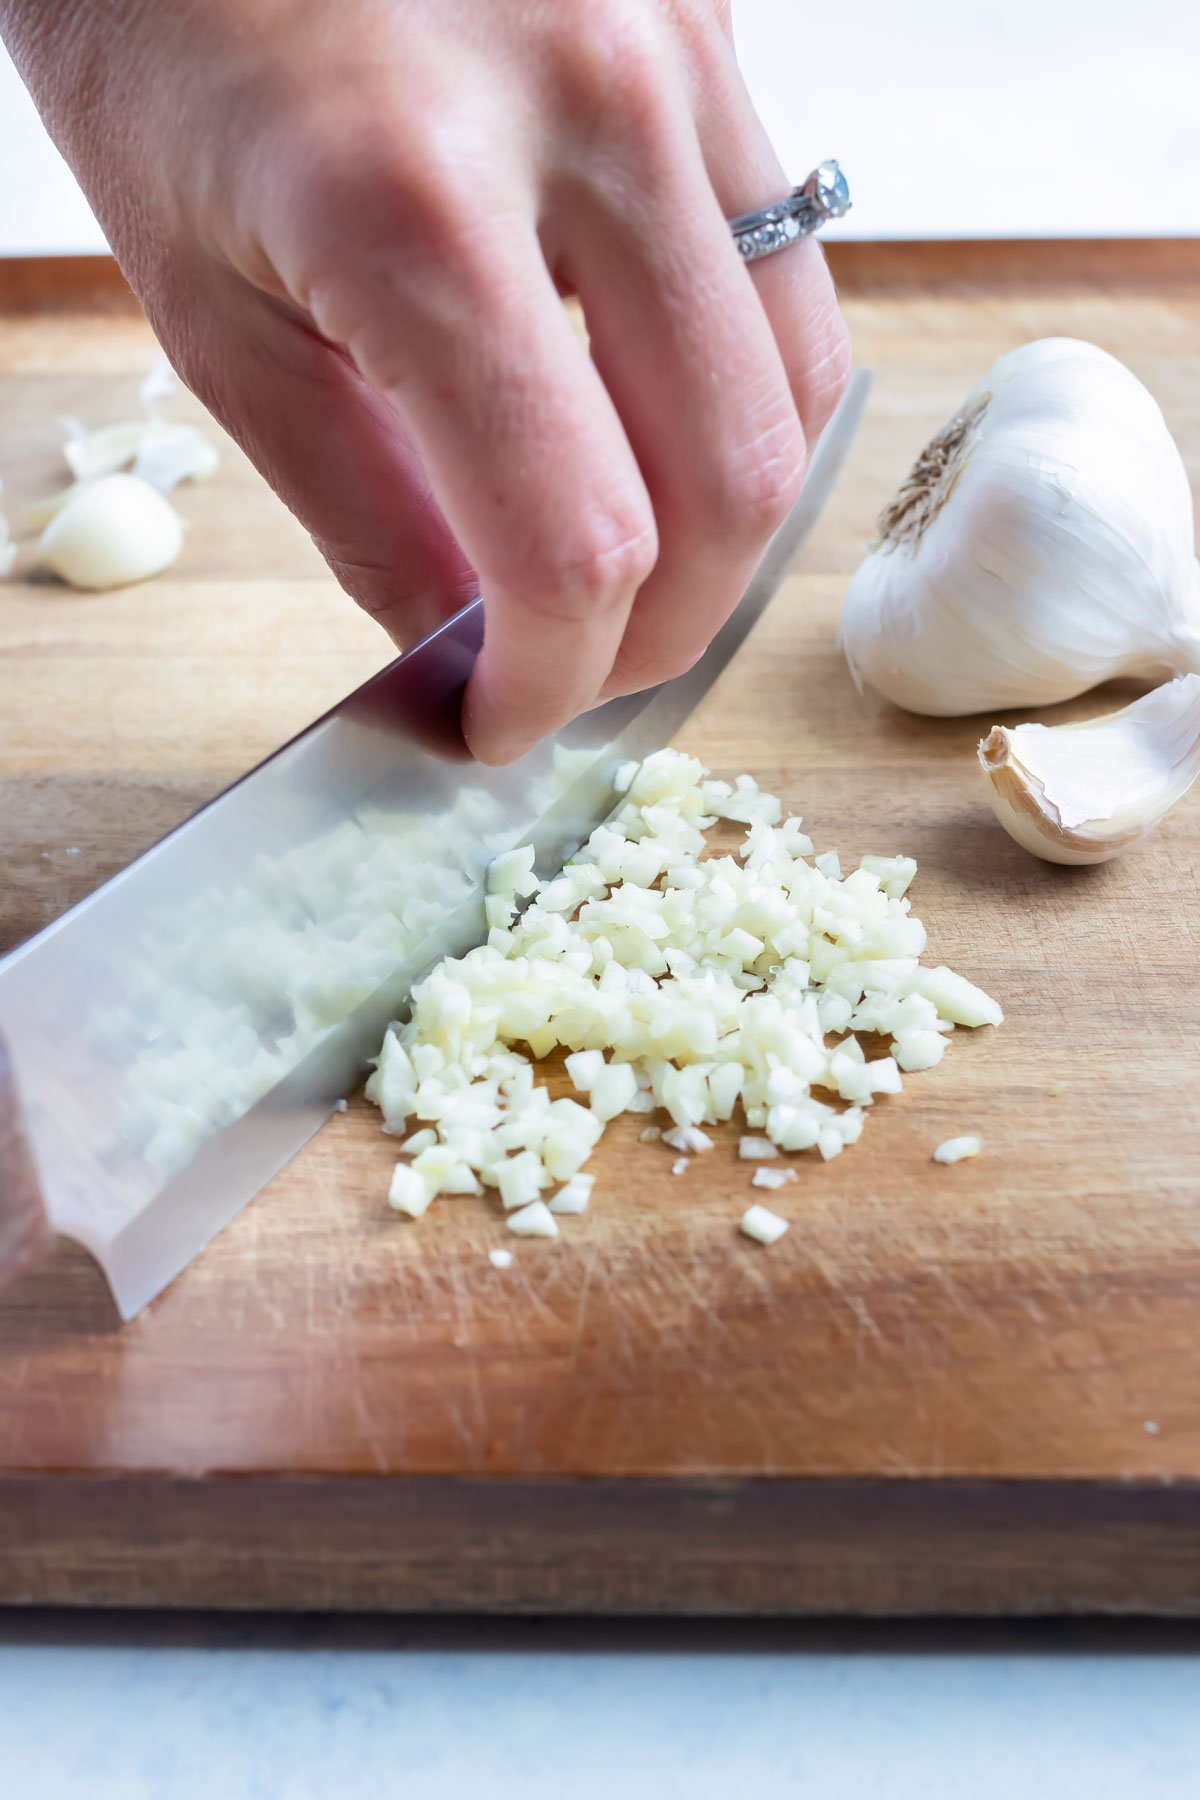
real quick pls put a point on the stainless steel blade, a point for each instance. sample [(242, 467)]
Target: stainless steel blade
[(180, 1034)]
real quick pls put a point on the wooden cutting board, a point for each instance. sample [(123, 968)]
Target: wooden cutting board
[(947, 1389)]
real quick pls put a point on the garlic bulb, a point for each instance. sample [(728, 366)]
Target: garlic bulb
[(111, 532), (1083, 793), (1042, 543)]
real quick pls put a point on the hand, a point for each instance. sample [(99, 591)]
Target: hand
[(350, 225)]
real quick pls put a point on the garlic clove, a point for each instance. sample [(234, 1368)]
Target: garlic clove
[(1042, 544), (1084, 793), (111, 532)]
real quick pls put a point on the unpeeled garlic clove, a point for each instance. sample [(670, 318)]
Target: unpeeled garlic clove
[(1084, 793)]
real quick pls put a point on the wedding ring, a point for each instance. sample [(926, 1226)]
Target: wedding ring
[(824, 196)]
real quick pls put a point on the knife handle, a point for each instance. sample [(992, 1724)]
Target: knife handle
[(25, 1234)]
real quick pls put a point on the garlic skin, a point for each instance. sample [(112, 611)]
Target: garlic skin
[(1043, 543), (111, 532), (1084, 793)]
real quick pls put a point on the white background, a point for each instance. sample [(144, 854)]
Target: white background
[(953, 118)]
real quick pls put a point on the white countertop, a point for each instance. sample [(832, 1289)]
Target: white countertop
[(237, 1709), (953, 118)]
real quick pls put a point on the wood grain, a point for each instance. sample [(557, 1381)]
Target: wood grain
[(973, 1388)]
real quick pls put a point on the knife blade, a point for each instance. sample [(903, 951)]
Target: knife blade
[(176, 1037)]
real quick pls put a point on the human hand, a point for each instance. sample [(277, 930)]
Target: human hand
[(350, 226)]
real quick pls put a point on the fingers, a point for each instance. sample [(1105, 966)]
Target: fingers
[(722, 378), (531, 466), (684, 348), (337, 453), (794, 287)]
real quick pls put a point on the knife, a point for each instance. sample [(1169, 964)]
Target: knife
[(169, 1043)]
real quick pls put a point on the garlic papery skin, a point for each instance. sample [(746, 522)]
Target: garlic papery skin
[(1084, 793), (111, 532), (1042, 543)]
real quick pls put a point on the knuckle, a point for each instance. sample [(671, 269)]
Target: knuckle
[(611, 66), (635, 669), (757, 487), (397, 219), (602, 568)]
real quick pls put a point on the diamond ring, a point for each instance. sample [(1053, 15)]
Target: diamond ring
[(824, 196)]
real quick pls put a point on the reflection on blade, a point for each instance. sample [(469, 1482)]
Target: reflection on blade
[(182, 1032)]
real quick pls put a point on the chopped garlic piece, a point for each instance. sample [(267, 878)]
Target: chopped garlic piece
[(686, 1137), (756, 1149), (534, 1220), (585, 1068), (513, 873), (761, 1224), (919, 1049), (958, 999), (420, 1140), (613, 1090), (574, 1197), (409, 1192), (520, 1179), (445, 1172), (957, 1149), (649, 1134), (894, 873), (500, 1259), (772, 1178), (679, 1166)]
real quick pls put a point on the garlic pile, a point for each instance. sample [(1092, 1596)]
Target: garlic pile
[(1083, 793), (1042, 543), (695, 986)]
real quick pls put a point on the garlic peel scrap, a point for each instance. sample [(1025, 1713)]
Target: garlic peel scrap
[(1043, 543), (1083, 793), (160, 452)]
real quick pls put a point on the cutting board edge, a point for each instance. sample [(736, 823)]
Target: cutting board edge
[(869, 1546)]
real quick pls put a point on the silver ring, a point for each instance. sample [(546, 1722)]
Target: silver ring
[(824, 196)]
